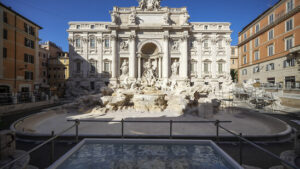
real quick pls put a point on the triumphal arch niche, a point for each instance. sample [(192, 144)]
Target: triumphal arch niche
[(151, 42)]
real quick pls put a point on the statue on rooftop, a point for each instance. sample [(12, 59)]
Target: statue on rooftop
[(149, 4)]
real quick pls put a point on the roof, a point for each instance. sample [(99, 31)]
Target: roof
[(244, 28), (9, 8)]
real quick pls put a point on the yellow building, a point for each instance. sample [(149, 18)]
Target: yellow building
[(19, 59), (58, 68), (269, 47)]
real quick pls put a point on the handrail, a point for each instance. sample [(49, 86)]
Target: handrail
[(259, 147), (152, 121), (39, 146)]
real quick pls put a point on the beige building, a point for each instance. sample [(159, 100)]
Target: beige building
[(269, 47), (234, 63), (19, 59), (43, 57), (58, 68)]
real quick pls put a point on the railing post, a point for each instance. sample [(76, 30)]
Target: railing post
[(241, 149), (77, 122), (171, 128), (122, 128), (217, 130), (52, 148)]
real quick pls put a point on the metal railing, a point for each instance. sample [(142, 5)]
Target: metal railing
[(170, 122), (53, 137), (242, 139)]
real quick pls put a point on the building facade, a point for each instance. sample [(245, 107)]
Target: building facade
[(58, 68), (148, 36), (269, 47), (43, 57), (234, 63), (19, 58)]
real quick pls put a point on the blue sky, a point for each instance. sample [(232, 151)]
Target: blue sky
[(54, 15)]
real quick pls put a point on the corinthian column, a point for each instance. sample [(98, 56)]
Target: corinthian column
[(183, 68), (166, 60), (114, 72), (132, 65)]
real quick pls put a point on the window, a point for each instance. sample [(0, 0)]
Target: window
[(271, 34), (193, 67), (244, 59), (106, 67), (78, 67), (244, 72), (93, 66), (289, 25), (245, 48), (271, 18), (29, 43), (245, 36), (289, 63), (77, 26), (28, 29), (256, 42), (92, 85), (28, 75), (5, 17), (205, 27), (271, 80), (28, 58), (220, 67), (4, 52), (232, 61), (44, 73), (232, 51), (92, 43), (271, 50), (206, 67), (270, 66), (92, 26), (256, 69), (289, 43), (205, 43), (289, 5), (106, 43), (256, 28), (290, 82), (4, 34), (220, 26), (77, 43), (256, 55)]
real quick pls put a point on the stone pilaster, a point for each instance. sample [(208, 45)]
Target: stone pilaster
[(114, 71), (100, 53), (166, 59), (183, 68), (132, 56)]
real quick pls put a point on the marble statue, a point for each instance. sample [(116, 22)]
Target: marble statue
[(149, 73), (167, 19), (124, 45), (186, 17), (124, 68), (174, 68), (132, 18), (114, 17), (149, 4)]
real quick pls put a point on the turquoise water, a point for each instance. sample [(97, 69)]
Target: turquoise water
[(145, 156)]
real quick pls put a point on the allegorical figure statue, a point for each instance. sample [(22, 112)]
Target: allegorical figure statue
[(132, 18), (114, 18), (149, 4), (174, 68), (124, 68), (124, 45)]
